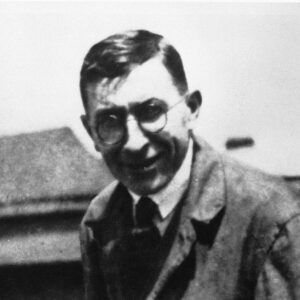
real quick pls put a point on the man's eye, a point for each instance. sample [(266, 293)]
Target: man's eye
[(151, 113), (109, 122)]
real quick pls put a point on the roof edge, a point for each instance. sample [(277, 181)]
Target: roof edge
[(76, 204)]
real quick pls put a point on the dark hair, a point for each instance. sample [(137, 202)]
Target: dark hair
[(118, 54)]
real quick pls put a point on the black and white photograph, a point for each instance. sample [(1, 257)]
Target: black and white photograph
[(149, 150)]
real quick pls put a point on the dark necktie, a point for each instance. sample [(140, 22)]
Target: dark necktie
[(139, 264), (146, 209)]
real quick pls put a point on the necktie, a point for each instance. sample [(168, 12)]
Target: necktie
[(139, 265), (146, 209)]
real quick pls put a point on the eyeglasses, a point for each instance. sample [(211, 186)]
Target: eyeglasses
[(151, 116)]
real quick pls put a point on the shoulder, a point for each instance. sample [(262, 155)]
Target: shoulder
[(267, 213), (269, 196), (247, 192)]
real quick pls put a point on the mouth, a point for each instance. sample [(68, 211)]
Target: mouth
[(142, 166)]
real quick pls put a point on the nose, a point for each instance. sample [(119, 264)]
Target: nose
[(136, 139)]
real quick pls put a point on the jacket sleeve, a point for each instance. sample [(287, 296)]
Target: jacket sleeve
[(94, 285), (280, 275)]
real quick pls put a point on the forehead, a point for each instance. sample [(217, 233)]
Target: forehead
[(149, 80)]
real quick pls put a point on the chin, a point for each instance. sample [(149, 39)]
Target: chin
[(148, 187)]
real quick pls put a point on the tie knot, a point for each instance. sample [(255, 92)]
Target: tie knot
[(146, 209)]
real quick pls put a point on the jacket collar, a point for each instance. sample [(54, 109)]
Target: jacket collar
[(206, 194), (204, 201)]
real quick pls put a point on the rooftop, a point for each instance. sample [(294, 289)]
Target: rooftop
[(41, 168)]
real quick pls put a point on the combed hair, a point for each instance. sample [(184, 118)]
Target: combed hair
[(118, 54)]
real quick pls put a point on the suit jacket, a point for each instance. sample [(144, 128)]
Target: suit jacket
[(237, 237)]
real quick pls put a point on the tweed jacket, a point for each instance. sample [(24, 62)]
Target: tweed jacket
[(238, 237)]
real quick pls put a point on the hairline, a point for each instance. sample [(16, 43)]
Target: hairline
[(159, 55)]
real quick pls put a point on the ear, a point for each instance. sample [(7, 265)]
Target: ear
[(84, 120), (85, 123), (194, 101)]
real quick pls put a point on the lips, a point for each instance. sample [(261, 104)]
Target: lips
[(142, 166)]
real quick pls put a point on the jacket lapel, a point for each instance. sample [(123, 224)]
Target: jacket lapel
[(204, 200), (111, 226)]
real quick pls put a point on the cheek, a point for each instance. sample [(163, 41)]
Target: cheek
[(111, 158), (174, 149), (178, 124), (177, 141)]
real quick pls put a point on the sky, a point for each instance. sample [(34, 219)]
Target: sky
[(244, 59)]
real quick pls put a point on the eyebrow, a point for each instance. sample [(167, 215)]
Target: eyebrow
[(140, 104), (134, 107), (111, 109)]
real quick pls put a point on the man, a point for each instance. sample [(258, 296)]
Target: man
[(181, 221)]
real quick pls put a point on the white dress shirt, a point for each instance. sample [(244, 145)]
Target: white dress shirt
[(169, 196)]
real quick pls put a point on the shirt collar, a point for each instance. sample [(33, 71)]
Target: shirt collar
[(168, 197)]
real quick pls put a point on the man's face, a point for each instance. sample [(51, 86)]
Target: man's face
[(143, 161)]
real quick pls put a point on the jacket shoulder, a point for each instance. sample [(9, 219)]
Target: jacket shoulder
[(268, 196), (98, 205)]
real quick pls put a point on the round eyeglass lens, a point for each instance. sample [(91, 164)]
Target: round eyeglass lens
[(156, 124), (110, 129)]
